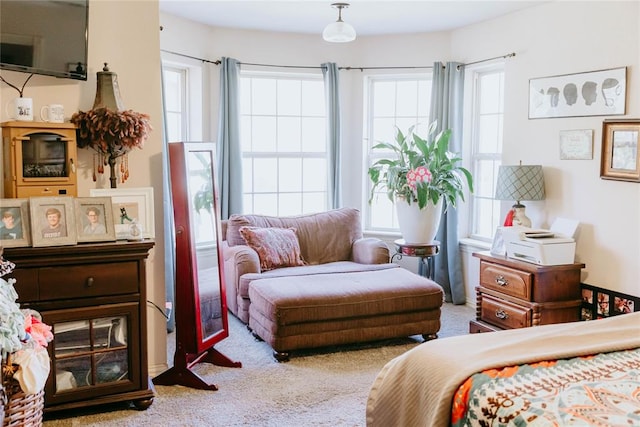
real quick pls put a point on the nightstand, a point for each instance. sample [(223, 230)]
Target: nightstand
[(517, 294)]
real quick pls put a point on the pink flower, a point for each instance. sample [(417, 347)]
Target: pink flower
[(39, 331), (418, 175)]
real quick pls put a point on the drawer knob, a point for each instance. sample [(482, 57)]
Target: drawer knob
[(500, 314), (90, 282), (500, 280)]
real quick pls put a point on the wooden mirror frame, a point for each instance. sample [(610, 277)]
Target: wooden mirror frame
[(192, 346)]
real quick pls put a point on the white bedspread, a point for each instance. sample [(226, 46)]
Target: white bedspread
[(416, 388)]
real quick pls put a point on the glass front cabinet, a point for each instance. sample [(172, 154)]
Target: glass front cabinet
[(93, 295), (91, 353), (39, 159)]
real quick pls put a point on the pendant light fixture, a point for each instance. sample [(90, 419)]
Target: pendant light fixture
[(339, 31)]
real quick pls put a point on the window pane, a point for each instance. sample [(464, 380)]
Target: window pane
[(489, 133), (407, 98), (289, 204), (265, 175), (384, 99), (288, 97), (289, 134), (284, 148), (263, 134), (490, 93), (314, 175), (314, 139), (313, 102), (263, 96), (290, 175)]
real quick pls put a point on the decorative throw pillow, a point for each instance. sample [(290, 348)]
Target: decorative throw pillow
[(276, 247)]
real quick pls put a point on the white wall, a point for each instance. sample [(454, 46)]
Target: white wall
[(124, 34), (575, 37)]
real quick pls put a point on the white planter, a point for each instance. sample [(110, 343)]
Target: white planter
[(419, 225)]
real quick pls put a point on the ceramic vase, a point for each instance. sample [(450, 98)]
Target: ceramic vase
[(419, 226)]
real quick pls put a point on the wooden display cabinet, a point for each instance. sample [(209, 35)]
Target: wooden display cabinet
[(94, 297), (517, 294), (40, 159)]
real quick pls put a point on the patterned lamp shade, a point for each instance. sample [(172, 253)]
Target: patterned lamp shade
[(522, 182)]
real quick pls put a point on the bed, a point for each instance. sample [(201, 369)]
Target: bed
[(580, 373)]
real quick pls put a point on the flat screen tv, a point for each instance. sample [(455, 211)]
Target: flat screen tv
[(45, 37)]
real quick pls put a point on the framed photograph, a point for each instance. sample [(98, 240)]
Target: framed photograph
[(576, 144), (132, 211), (14, 228), (598, 303), (620, 159), (593, 93), (53, 221), (94, 219)]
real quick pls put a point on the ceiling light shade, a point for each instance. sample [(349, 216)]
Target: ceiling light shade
[(339, 31)]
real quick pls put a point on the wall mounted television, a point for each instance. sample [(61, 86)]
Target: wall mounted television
[(47, 37)]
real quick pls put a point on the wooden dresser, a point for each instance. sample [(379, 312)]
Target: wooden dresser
[(517, 294), (94, 297)]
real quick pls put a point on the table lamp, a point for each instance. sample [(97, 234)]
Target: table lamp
[(520, 182)]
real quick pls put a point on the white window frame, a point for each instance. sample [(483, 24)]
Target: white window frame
[(370, 156), (471, 150), (249, 190)]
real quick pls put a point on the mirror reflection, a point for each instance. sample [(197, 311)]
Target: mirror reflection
[(200, 169)]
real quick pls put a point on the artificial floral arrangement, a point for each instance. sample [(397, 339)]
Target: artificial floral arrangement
[(421, 170), (111, 134), (23, 338)]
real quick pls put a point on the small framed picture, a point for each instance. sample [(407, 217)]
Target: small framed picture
[(14, 227), (620, 157), (53, 221), (94, 219), (132, 211)]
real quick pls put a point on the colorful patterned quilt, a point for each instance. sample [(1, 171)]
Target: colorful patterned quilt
[(599, 390)]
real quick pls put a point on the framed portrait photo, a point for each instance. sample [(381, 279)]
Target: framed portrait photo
[(94, 219), (14, 224), (132, 211), (620, 160), (53, 221)]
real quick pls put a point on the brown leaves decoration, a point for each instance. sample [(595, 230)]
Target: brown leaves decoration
[(111, 132)]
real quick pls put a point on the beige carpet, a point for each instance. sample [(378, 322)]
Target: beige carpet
[(327, 387)]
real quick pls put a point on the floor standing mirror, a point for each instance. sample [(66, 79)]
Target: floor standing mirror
[(200, 300)]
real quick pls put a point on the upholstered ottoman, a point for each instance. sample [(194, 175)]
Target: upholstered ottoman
[(297, 312)]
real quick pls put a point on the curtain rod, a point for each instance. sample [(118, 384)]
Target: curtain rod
[(218, 62)]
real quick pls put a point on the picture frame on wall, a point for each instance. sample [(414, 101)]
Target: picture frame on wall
[(94, 219), (592, 93), (53, 221), (14, 223), (132, 211), (620, 157), (576, 144)]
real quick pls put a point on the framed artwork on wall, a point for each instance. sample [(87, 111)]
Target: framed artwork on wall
[(576, 144), (53, 221), (593, 93), (14, 225), (132, 211), (620, 160)]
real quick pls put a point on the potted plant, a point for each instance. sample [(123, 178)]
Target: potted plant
[(422, 176)]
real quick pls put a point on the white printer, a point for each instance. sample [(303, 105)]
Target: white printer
[(555, 246)]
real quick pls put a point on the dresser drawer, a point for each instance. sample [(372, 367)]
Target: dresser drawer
[(93, 280), (504, 314), (506, 280)]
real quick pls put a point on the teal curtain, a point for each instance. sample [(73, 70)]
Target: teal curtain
[(229, 154), (330, 73), (168, 225), (446, 107)]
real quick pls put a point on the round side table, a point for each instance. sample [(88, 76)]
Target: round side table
[(425, 251)]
